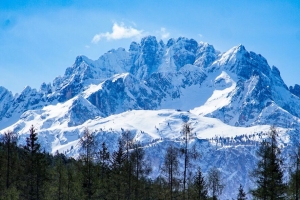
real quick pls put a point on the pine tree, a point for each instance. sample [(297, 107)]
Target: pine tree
[(74, 180), (119, 173), (60, 176), (9, 165), (241, 195), (103, 166), (198, 187), (268, 173), (10, 142), (294, 182), (35, 167)]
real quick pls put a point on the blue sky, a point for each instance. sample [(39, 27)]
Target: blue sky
[(39, 39)]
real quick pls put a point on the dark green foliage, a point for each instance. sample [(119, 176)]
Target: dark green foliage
[(9, 167), (96, 174), (198, 187), (35, 169), (26, 172), (118, 174), (140, 170), (103, 172), (268, 173), (294, 183)]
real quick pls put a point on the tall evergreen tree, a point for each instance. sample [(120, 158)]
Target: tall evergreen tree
[(35, 167), (294, 182), (9, 142), (268, 173), (74, 180), (9, 169), (198, 187), (103, 173), (59, 179), (119, 173)]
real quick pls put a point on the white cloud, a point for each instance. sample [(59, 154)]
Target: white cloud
[(200, 35), (119, 31), (164, 33)]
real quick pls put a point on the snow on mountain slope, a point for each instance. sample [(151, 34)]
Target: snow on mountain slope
[(220, 145), (5, 98), (147, 126), (254, 86), (230, 99), (142, 60)]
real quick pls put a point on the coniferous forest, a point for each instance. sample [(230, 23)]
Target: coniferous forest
[(28, 172)]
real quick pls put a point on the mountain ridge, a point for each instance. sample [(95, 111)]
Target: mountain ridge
[(154, 87)]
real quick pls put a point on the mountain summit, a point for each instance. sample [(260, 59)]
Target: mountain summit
[(231, 99)]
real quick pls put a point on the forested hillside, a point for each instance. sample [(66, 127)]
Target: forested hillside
[(28, 172)]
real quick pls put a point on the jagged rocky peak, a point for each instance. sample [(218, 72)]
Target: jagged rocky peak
[(149, 49), (184, 51), (205, 55), (295, 90), (188, 44), (134, 47), (80, 64), (170, 42), (25, 92), (82, 110), (230, 57), (46, 88), (161, 43), (4, 91), (151, 56), (5, 99), (243, 63), (277, 80), (146, 57)]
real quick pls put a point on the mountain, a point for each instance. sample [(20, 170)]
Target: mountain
[(231, 99)]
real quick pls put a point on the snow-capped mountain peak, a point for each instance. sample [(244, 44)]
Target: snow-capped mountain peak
[(230, 99)]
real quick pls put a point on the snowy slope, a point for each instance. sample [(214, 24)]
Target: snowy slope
[(220, 145), (231, 99)]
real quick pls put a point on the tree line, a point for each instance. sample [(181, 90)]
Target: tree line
[(27, 172)]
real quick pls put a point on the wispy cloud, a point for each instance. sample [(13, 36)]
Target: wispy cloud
[(163, 33), (200, 35), (119, 31)]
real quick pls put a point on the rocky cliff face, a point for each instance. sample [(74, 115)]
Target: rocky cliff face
[(230, 99)]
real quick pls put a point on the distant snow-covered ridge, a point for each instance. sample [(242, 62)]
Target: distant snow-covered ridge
[(231, 99)]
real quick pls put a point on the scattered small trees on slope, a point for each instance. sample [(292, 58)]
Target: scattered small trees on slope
[(268, 173)]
